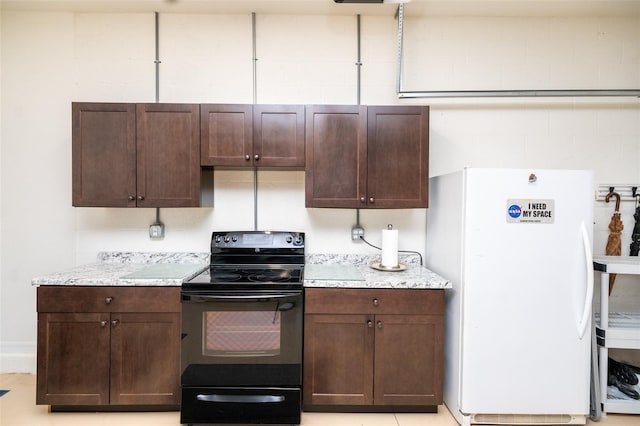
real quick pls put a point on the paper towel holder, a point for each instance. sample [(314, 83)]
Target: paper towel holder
[(388, 268)]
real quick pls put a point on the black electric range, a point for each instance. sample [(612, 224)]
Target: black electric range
[(242, 322)]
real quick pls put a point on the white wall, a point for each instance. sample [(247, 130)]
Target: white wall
[(38, 223), (51, 59)]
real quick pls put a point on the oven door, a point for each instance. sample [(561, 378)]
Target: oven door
[(241, 339)]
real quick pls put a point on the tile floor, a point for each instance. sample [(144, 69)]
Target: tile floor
[(17, 408)]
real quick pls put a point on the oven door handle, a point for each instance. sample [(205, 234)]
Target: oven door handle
[(223, 298), (250, 399)]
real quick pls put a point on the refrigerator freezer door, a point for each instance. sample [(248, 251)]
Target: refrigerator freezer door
[(523, 345)]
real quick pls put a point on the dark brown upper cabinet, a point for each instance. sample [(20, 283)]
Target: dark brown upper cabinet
[(367, 156), (252, 135), (397, 156), (336, 151), (138, 155), (104, 154), (168, 153), (226, 135)]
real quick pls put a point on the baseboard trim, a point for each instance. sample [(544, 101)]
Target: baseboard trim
[(17, 357)]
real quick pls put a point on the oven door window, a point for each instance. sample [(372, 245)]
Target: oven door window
[(241, 333), (223, 329)]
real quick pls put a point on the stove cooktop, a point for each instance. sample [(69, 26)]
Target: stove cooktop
[(223, 277)]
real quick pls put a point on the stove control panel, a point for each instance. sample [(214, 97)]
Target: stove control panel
[(257, 240)]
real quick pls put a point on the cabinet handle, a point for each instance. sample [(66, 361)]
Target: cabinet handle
[(103, 323), (379, 324), (369, 323), (140, 197), (131, 198), (256, 157), (371, 200), (247, 157), (115, 322), (108, 300), (363, 200), (376, 302)]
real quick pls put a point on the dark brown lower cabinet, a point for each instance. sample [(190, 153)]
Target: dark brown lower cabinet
[(373, 350), (338, 362), (408, 360), (144, 356), (121, 352)]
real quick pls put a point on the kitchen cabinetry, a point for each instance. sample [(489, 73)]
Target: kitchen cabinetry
[(367, 156), (252, 135), (108, 347), (373, 349), (619, 330), (138, 155)]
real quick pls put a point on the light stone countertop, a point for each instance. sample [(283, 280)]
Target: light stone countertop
[(131, 269), (333, 274), (171, 269)]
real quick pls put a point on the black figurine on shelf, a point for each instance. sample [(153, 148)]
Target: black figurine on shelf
[(635, 235)]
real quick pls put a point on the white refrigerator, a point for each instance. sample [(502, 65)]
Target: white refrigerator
[(516, 244)]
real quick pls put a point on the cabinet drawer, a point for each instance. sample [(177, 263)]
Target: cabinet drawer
[(108, 299), (374, 301)]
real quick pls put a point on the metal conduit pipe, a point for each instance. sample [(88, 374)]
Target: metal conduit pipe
[(157, 65), (254, 57), (405, 94), (358, 84), (157, 60), (358, 61), (255, 100)]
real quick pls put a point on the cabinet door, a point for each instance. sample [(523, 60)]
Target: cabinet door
[(278, 135), (168, 155), (104, 154), (145, 358), (226, 135), (397, 156), (73, 359), (408, 360), (336, 153), (338, 360)]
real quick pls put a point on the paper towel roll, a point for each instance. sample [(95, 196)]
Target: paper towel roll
[(389, 248)]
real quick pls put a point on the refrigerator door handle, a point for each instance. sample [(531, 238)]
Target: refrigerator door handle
[(588, 257)]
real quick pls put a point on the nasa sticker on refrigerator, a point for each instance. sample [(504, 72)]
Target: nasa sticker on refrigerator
[(530, 211)]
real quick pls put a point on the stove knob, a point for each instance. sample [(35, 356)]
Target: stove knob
[(217, 239), (226, 239), (234, 238), (298, 241), (289, 239)]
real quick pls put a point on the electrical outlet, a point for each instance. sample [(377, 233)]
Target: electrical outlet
[(156, 231), (357, 233)]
